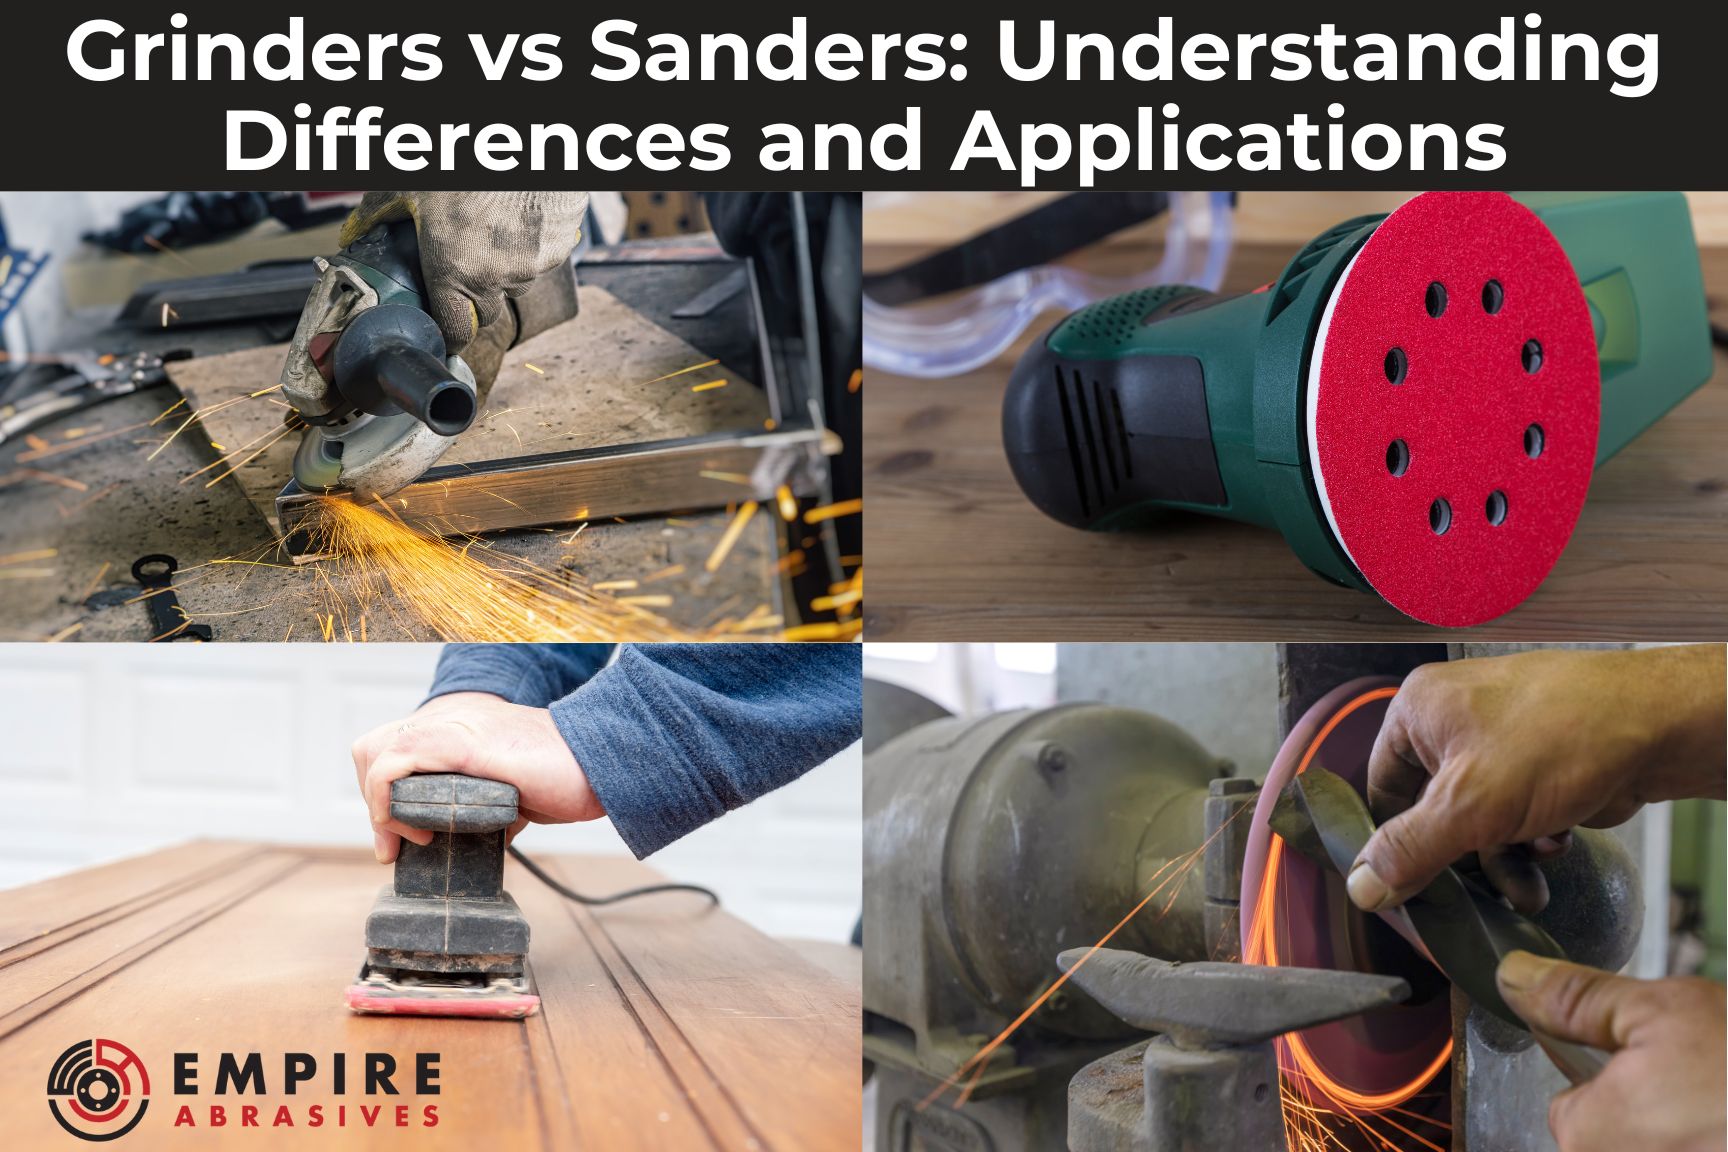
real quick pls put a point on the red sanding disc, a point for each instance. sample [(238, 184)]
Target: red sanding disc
[(1453, 402), (1380, 1058)]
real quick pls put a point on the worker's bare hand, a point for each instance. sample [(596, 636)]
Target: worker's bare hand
[(477, 734), (1662, 1087), (1502, 756), (477, 249)]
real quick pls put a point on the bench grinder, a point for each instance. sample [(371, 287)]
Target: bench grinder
[(999, 848)]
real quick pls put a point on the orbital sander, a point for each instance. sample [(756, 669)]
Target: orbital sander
[(1417, 403), (445, 939), (368, 373)]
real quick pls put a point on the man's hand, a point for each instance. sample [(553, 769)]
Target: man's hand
[(1662, 1087), (1503, 756), (477, 734), (477, 248)]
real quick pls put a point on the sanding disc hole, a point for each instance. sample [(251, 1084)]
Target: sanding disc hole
[(1397, 364), (1531, 356), (1496, 507), (1436, 299), (1397, 457), (1534, 441), (1440, 516), (1493, 297)]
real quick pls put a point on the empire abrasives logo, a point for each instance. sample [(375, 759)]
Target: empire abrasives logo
[(98, 1081), (99, 1090)]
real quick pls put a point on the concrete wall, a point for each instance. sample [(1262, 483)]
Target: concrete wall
[(1224, 695)]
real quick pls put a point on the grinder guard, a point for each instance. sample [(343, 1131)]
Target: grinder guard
[(367, 370)]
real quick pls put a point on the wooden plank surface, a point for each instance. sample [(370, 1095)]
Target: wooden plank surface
[(595, 380), (957, 553), (664, 1023)]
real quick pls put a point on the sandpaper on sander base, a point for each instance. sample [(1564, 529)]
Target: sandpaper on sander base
[(372, 996), (1388, 1052), (1453, 402)]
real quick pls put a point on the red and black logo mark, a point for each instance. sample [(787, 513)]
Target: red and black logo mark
[(99, 1082)]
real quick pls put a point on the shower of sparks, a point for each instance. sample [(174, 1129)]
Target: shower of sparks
[(457, 595), (833, 511), (208, 410), (730, 536), (1318, 1110), (228, 458), (682, 371), (371, 569)]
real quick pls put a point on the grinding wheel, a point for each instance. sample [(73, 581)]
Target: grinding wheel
[(1305, 919)]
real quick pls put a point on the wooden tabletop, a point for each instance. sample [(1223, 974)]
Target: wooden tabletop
[(957, 553), (664, 1024)]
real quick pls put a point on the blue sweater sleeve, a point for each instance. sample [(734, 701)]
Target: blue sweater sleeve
[(673, 735), (530, 674)]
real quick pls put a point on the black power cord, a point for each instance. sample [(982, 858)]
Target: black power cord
[(617, 897)]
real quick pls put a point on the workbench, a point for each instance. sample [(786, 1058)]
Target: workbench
[(665, 1023), (101, 504), (958, 553)]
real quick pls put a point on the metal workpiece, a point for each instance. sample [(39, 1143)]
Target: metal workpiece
[(1214, 1005), (658, 477), (1210, 1079), (1464, 927)]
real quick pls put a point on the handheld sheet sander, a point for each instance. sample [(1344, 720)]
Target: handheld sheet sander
[(445, 939), (1417, 403)]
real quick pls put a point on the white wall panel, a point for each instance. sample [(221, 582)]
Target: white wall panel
[(127, 748)]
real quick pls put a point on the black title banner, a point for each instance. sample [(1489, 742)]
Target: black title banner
[(874, 96)]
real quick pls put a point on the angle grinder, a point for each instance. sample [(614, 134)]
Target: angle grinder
[(1417, 403), (368, 372)]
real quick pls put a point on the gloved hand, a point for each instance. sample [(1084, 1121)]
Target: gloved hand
[(477, 249)]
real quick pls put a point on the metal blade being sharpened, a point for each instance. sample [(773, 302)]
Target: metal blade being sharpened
[(1466, 929)]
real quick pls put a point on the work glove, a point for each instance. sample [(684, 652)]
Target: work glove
[(477, 249)]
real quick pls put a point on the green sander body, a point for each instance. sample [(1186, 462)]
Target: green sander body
[(1174, 398)]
